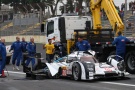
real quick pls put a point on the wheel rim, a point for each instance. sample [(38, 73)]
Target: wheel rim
[(56, 56), (131, 62), (76, 73)]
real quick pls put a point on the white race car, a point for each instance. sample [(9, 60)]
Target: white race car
[(83, 66)]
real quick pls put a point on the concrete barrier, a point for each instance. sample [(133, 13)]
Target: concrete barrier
[(37, 39)]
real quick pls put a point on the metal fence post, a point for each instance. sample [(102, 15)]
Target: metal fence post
[(33, 16), (26, 17), (40, 15)]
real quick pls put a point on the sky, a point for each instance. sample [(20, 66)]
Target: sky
[(118, 2)]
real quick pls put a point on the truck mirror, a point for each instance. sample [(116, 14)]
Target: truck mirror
[(42, 27)]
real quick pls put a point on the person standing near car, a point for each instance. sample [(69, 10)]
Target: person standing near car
[(49, 50), (24, 44), (17, 53), (120, 43), (31, 48), (82, 45), (2, 58)]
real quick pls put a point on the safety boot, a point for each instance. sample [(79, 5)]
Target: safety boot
[(14, 67), (17, 68), (3, 74)]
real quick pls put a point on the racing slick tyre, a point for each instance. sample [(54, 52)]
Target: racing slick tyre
[(76, 71), (8, 60), (38, 75), (28, 75), (56, 55), (130, 62), (49, 75)]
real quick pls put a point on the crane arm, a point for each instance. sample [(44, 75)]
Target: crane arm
[(111, 12)]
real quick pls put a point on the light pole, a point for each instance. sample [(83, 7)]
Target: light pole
[(40, 13)]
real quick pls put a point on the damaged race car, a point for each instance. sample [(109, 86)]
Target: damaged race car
[(80, 65)]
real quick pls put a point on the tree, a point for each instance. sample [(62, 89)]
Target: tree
[(69, 7), (53, 5), (16, 3), (0, 4), (79, 6)]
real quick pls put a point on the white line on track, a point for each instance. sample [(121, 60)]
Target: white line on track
[(13, 72), (121, 84)]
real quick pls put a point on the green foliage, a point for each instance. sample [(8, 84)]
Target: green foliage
[(69, 7)]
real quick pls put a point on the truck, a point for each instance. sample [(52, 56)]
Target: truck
[(65, 29)]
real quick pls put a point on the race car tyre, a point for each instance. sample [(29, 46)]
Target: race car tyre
[(49, 75), (76, 71), (130, 62), (28, 75), (112, 53), (33, 76), (8, 60), (56, 55)]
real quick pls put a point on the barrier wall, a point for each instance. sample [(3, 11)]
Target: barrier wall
[(37, 39)]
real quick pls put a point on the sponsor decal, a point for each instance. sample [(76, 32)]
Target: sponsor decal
[(108, 69)]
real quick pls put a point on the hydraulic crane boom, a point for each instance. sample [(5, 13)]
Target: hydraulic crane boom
[(111, 12)]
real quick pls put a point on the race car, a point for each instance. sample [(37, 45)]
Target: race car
[(82, 66)]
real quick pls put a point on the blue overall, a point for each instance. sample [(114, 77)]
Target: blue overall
[(24, 44), (120, 42), (83, 45), (31, 48), (2, 57), (17, 54)]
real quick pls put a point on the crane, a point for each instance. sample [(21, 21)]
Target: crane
[(111, 12)]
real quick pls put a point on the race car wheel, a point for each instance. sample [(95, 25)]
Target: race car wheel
[(76, 71), (130, 62), (56, 55)]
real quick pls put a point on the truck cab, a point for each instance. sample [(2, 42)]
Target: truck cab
[(62, 28)]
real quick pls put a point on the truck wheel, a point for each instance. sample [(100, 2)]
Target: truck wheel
[(76, 71), (130, 62), (8, 60)]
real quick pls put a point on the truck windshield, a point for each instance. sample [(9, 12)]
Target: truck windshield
[(50, 27)]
